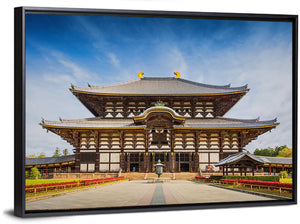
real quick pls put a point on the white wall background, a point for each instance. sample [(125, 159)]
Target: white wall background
[(278, 214)]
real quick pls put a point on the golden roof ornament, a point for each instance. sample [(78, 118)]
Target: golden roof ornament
[(177, 75), (159, 103), (140, 75)]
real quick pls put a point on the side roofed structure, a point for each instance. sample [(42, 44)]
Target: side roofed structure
[(245, 162)]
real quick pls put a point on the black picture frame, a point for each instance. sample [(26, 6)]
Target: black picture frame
[(20, 102)]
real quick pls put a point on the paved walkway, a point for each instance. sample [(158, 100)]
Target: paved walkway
[(138, 193)]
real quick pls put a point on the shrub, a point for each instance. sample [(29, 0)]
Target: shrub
[(283, 174), (35, 173), (215, 177), (262, 178)]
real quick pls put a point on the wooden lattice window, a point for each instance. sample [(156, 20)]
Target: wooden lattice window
[(159, 138)]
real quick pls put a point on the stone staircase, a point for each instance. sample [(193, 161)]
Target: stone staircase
[(172, 176)]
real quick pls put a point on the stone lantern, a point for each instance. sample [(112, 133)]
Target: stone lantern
[(159, 168)]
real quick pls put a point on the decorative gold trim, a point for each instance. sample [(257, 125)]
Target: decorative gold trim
[(87, 128), (151, 111), (269, 126), (177, 75), (140, 75), (119, 94)]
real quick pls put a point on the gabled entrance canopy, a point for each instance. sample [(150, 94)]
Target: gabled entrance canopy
[(161, 111)]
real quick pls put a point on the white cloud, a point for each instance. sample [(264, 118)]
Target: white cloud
[(113, 59)]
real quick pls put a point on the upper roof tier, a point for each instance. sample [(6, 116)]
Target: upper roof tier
[(159, 86)]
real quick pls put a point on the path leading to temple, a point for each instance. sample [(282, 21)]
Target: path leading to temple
[(139, 193)]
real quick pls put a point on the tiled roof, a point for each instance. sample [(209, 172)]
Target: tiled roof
[(259, 159), (275, 160), (49, 160), (222, 122), (128, 123), (157, 86), (94, 122)]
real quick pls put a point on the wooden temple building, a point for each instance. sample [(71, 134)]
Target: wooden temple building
[(49, 165), (175, 120), (244, 162)]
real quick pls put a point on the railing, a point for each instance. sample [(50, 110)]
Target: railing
[(39, 188), (267, 185), (203, 178), (270, 185)]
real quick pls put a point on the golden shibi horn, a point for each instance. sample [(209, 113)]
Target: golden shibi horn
[(140, 75), (177, 75)]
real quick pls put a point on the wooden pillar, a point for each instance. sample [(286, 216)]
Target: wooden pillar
[(223, 168), (232, 171), (196, 162), (221, 156), (241, 171), (122, 162), (179, 162), (245, 171), (282, 167), (153, 162), (173, 162), (46, 170), (226, 170), (270, 171), (128, 162), (60, 167), (97, 159), (77, 161), (253, 171)]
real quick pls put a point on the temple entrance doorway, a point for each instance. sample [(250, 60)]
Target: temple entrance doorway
[(184, 167), (134, 167)]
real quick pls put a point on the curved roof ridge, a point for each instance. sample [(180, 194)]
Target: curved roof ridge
[(99, 87), (256, 120), (228, 86), (160, 107), (113, 84), (82, 119)]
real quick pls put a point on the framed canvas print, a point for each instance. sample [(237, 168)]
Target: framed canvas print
[(132, 111)]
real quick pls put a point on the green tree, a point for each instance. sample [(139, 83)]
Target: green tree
[(283, 174), (65, 152), (41, 155), (36, 155), (269, 151), (34, 173), (286, 152), (57, 152), (264, 152), (279, 148)]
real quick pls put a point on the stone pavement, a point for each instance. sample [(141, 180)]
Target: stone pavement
[(139, 193)]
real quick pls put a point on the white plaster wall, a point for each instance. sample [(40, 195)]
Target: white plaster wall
[(115, 157), (104, 157), (103, 167)]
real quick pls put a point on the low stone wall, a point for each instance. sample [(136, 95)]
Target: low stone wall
[(137, 176), (172, 176), (83, 175)]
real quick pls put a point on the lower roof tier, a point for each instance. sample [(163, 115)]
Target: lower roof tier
[(209, 123)]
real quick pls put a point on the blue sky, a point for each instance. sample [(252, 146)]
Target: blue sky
[(65, 49)]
